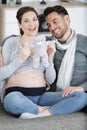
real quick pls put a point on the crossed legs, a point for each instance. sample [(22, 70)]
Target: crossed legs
[(50, 103)]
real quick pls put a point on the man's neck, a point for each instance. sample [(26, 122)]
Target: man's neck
[(65, 37)]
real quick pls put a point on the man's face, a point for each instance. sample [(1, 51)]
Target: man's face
[(58, 24)]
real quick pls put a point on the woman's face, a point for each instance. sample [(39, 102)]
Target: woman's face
[(29, 23)]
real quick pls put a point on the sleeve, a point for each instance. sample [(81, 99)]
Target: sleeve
[(9, 66), (84, 85), (50, 73), (7, 70)]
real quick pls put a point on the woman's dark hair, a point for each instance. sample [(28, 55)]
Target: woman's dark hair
[(58, 9), (22, 11)]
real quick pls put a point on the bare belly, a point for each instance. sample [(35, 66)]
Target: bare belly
[(27, 79)]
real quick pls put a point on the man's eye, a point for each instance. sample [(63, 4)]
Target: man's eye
[(48, 25), (35, 19)]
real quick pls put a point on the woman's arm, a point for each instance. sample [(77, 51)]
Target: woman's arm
[(10, 66), (50, 73), (1, 44), (1, 57), (8, 70)]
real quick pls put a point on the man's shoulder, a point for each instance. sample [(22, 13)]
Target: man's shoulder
[(81, 42), (81, 37)]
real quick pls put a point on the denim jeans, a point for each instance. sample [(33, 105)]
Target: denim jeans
[(16, 103)]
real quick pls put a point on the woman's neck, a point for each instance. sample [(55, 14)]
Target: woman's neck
[(26, 40)]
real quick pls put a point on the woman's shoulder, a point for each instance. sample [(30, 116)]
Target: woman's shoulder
[(5, 39), (12, 38), (11, 41)]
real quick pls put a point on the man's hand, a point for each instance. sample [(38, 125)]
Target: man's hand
[(71, 89)]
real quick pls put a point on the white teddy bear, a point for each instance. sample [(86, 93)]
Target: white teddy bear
[(40, 51)]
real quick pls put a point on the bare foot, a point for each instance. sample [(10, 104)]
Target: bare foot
[(45, 112), (41, 108)]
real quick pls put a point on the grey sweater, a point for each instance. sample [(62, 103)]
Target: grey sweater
[(12, 64), (79, 77)]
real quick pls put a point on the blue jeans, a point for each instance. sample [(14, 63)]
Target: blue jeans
[(16, 103)]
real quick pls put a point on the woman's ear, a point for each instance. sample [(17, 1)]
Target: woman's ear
[(19, 25)]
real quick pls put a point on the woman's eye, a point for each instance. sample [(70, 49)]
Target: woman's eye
[(26, 21), (54, 22)]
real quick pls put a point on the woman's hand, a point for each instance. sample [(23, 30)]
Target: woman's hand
[(71, 89), (26, 51), (51, 49), (1, 57)]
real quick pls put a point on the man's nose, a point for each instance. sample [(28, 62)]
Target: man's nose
[(52, 27)]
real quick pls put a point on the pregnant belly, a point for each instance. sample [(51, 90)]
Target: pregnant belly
[(27, 79)]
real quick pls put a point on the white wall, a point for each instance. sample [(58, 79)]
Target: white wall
[(78, 17)]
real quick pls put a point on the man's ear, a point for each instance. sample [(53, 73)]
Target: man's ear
[(67, 18)]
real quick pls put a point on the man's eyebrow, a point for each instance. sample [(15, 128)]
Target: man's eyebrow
[(52, 20)]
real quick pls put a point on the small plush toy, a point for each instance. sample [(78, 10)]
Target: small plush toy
[(40, 51)]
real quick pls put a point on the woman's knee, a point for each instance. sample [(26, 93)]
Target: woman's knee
[(12, 100), (13, 97)]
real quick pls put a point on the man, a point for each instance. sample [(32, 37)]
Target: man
[(70, 59)]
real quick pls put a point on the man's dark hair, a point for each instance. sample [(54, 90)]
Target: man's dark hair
[(58, 9)]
